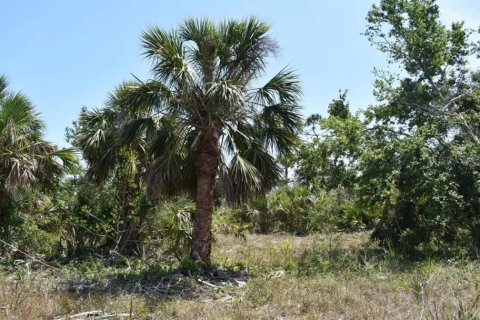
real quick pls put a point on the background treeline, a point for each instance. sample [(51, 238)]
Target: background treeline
[(407, 168)]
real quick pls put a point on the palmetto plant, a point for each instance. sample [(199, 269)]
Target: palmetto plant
[(26, 159), (202, 118)]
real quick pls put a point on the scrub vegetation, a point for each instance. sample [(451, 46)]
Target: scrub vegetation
[(204, 192)]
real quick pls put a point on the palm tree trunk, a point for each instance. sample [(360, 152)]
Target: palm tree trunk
[(206, 168), (4, 216)]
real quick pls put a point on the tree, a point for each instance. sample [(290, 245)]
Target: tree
[(328, 159), (96, 134), (421, 160), (26, 159), (205, 121)]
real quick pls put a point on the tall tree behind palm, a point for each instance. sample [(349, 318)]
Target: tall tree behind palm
[(205, 120), (26, 159)]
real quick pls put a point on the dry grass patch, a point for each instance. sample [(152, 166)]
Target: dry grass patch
[(313, 277)]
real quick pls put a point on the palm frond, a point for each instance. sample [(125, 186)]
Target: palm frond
[(68, 158), (283, 88), (25, 157), (21, 170), (237, 136), (138, 99), (245, 49), (167, 52), (202, 53), (278, 138), (244, 173), (17, 117), (171, 167), (95, 134), (227, 96), (164, 175), (136, 129), (265, 163), (3, 86)]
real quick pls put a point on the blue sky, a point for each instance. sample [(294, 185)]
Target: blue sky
[(69, 54)]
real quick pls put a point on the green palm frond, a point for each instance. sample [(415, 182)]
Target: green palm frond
[(244, 172), (3, 86), (197, 30), (167, 52), (283, 88), (26, 158), (140, 98), (97, 139), (68, 158), (278, 138), (171, 173), (237, 136), (266, 165), (228, 97), (280, 120), (201, 40), (102, 166), (165, 175), (245, 48), (17, 117), (137, 129)]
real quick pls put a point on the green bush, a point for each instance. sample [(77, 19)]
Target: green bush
[(299, 210), (169, 227)]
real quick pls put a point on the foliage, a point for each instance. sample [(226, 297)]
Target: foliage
[(421, 152), (202, 136), (203, 120), (169, 227), (86, 216), (298, 210), (33, 228), (328, 164), (295, 277), (26, 159), (96, 134), (78, 220), (328, 159)]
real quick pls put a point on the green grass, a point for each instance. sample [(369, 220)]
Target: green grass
[(341, 276)]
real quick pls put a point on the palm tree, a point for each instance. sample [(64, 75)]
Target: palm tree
[(96, 135), (205, 120), (26, 159)]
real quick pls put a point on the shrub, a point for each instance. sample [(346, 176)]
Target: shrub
[(169, 227), (299, 210)]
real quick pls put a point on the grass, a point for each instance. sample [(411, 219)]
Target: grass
[(340, 276)]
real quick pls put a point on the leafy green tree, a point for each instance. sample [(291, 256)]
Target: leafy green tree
[(327, 162), (420, 164), (205, 120), (328, 159), (26, 159)]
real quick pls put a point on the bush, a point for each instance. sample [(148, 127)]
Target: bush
[(299, 210), (169, 227)]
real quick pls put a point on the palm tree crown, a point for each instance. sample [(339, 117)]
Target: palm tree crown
[(26, 159)]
